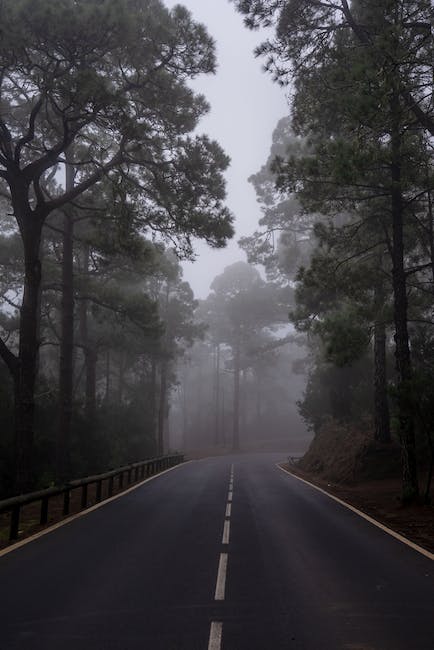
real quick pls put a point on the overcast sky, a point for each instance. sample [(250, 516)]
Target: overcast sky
[(245, 108)]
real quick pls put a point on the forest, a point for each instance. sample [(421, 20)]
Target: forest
[(106, 184)]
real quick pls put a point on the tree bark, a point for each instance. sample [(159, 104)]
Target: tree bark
[(162, 407), (25, 375), (381, 402), (258, 399), (107, 377), (90, 396), (236, 417), (121, 377), (90, 352), (217, 397), (66, 361), (153, 398), (243, 403), (410, 485)]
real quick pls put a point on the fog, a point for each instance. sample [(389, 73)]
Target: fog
[(226, 272), (245, 107)]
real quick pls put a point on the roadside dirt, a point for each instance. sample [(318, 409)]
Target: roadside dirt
[(380, 499)]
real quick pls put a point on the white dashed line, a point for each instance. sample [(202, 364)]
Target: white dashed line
[(215, 636), (216, 631), (221, 577), (226, 532)]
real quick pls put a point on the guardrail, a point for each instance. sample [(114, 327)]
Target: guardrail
[(125, 475)]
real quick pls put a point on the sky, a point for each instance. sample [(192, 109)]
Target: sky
[(245, 108)]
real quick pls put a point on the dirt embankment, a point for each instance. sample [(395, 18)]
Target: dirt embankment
[(349, 464)]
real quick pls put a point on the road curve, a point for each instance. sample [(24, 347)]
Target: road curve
[(219, 554)]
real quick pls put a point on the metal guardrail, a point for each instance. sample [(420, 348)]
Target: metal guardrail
[(132, 474)]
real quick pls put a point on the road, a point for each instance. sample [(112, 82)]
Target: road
[(219, 554)]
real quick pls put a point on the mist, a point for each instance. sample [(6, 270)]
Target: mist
[(216, 324), (245, 106)]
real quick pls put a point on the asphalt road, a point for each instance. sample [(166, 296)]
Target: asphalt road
[(198, 560)]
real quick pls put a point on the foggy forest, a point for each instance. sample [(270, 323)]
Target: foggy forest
[(314, 340), (107, 356)]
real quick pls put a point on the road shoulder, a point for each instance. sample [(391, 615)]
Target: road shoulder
[(411, 526)]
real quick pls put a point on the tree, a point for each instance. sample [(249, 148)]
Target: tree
[(125, 105), (181, 329), (358, 105), (240, 305), (305, 34), (283, 241)]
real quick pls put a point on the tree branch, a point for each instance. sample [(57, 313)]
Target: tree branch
[(78, 189), (28, 137), (9, 358)]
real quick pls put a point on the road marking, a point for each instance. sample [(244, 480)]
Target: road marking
[(215, 636), (231, 485), (221, 577), (228, 510), (226, 532), (59, 524), (376, 523), (230, 495)]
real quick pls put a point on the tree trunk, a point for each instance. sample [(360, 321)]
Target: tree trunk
[(90, 353), (107, 377), (162, 408), (90, 404), (223, 417), (153, 398), (381, 402), (25, 377), (121, 377), (217, 397), (236, 418), (258, 423), (410, 486), (66, 340), (243, 403), (184, 410)]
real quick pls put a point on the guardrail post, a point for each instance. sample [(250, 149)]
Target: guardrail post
[(44, 511), (15, 523), (133, 472), (84, 496), (98, 491), (66, 499)]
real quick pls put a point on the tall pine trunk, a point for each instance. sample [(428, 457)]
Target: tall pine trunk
[(90, 352), (121, 377), (410, 485), (25, 370), (236, 415), (381, 402), (66, 359), (217, 397), (162, 407), (107, 377), (154, 397)]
